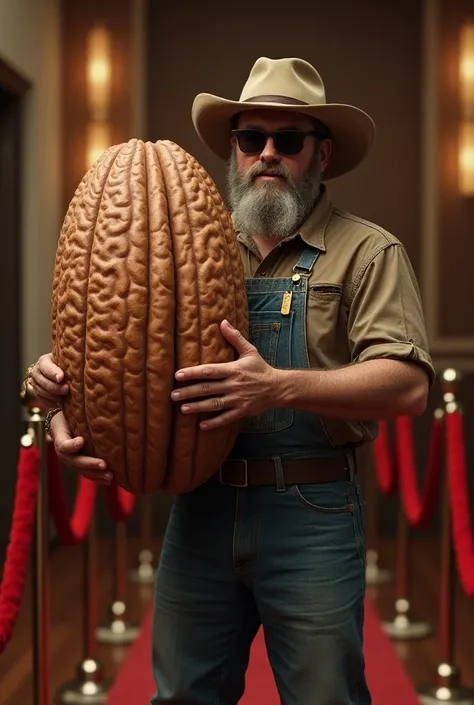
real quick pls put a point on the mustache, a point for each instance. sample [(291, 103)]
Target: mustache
[(273, 169)]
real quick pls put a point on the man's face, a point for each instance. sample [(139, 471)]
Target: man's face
[(271, 193)]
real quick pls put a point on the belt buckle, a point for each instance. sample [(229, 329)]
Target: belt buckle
[(245, 483)]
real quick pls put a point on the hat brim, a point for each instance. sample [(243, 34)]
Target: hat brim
[(352, 130)]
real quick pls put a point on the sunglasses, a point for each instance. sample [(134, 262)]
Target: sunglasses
[(287, 142)]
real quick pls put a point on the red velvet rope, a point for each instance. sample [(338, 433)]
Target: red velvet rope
[(459, 498), (71, 530), (419, 510), (384, 461), (18, 551), (121, 503)]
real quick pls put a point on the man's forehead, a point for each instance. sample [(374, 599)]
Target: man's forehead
[(273, 119)]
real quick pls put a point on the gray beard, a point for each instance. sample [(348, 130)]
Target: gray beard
[(266, 209)]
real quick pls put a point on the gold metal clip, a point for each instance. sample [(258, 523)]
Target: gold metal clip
[(286, 303)]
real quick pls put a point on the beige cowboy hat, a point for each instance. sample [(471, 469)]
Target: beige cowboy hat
[(293, 85)]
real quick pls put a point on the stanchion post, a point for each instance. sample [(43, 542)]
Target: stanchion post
[(374, 574), (91, 686), (41, 672), (447, 687), (118, 630), (402, 627), (145, 572)]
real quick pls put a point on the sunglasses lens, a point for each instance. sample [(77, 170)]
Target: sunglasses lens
[(289, 142), (251, 141)]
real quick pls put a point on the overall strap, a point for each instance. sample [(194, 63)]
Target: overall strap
[(307, 261)]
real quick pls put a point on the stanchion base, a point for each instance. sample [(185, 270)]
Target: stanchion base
[(84, 693), (434, 695), (403, 628), (117, 632), (90, 688)]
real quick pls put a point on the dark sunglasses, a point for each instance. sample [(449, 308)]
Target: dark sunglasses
[(287, 142)]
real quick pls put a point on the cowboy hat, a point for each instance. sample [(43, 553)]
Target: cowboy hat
[(295, 86)]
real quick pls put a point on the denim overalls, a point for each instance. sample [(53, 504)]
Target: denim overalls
[(277, 311), (288, 558)]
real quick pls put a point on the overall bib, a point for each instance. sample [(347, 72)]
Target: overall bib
[(277, 317), (287, 557)]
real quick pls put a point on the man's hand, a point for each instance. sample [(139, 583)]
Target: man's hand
[(47, 381), (241, 388), (68, 451), (48, 384)]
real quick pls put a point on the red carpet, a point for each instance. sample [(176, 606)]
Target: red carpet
[(387, 679)]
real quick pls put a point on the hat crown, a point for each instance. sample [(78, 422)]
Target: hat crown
[(292, 78)]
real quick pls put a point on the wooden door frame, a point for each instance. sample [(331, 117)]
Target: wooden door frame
[(13, 87)]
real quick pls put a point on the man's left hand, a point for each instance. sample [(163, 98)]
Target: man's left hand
[(241, 388)]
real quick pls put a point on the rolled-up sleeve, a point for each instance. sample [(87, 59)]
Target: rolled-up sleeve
[(386, 316)]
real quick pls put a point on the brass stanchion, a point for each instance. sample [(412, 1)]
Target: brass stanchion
[(118, 630), (91, 686), (374, 574), (402, 627), (447, 687), (145, 572), (41, 676)]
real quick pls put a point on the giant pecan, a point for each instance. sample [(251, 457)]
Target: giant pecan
[(147, 266)]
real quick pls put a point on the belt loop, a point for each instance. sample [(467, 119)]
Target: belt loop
[(351, 463), (279, 474)]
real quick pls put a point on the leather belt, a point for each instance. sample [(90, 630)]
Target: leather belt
[(246, 473)]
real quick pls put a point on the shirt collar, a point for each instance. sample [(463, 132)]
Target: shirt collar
[(313, 230)]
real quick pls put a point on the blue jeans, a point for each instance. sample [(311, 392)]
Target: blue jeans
[(292, 561)]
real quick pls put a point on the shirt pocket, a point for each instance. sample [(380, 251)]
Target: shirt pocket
[(326, 326)]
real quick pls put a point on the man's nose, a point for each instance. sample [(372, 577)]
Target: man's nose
[(269, 153)]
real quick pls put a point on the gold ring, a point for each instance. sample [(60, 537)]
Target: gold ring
[(219, 403)]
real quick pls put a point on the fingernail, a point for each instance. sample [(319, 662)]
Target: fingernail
[(58, 377), (204, 426), (101, 466), (77, 444), (179, 375), (185, 409), (175, 395)]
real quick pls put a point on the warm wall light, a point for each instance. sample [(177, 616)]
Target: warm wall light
[(98, 140), (466, 158), (99, 71), (99, 83), (466, 95), (466, 70)]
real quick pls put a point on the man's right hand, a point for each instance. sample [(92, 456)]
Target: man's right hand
[(48, 384)]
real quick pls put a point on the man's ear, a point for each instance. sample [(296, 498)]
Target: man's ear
[(325, 149)]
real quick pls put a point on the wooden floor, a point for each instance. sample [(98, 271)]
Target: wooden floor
[(420, 657)]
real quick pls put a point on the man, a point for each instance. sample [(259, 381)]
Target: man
[(337, 340)]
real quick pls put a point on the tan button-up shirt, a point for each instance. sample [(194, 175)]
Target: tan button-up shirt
[(363, 302)]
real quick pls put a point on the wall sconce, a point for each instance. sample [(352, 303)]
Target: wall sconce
[(99, 83), (466, 94)]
